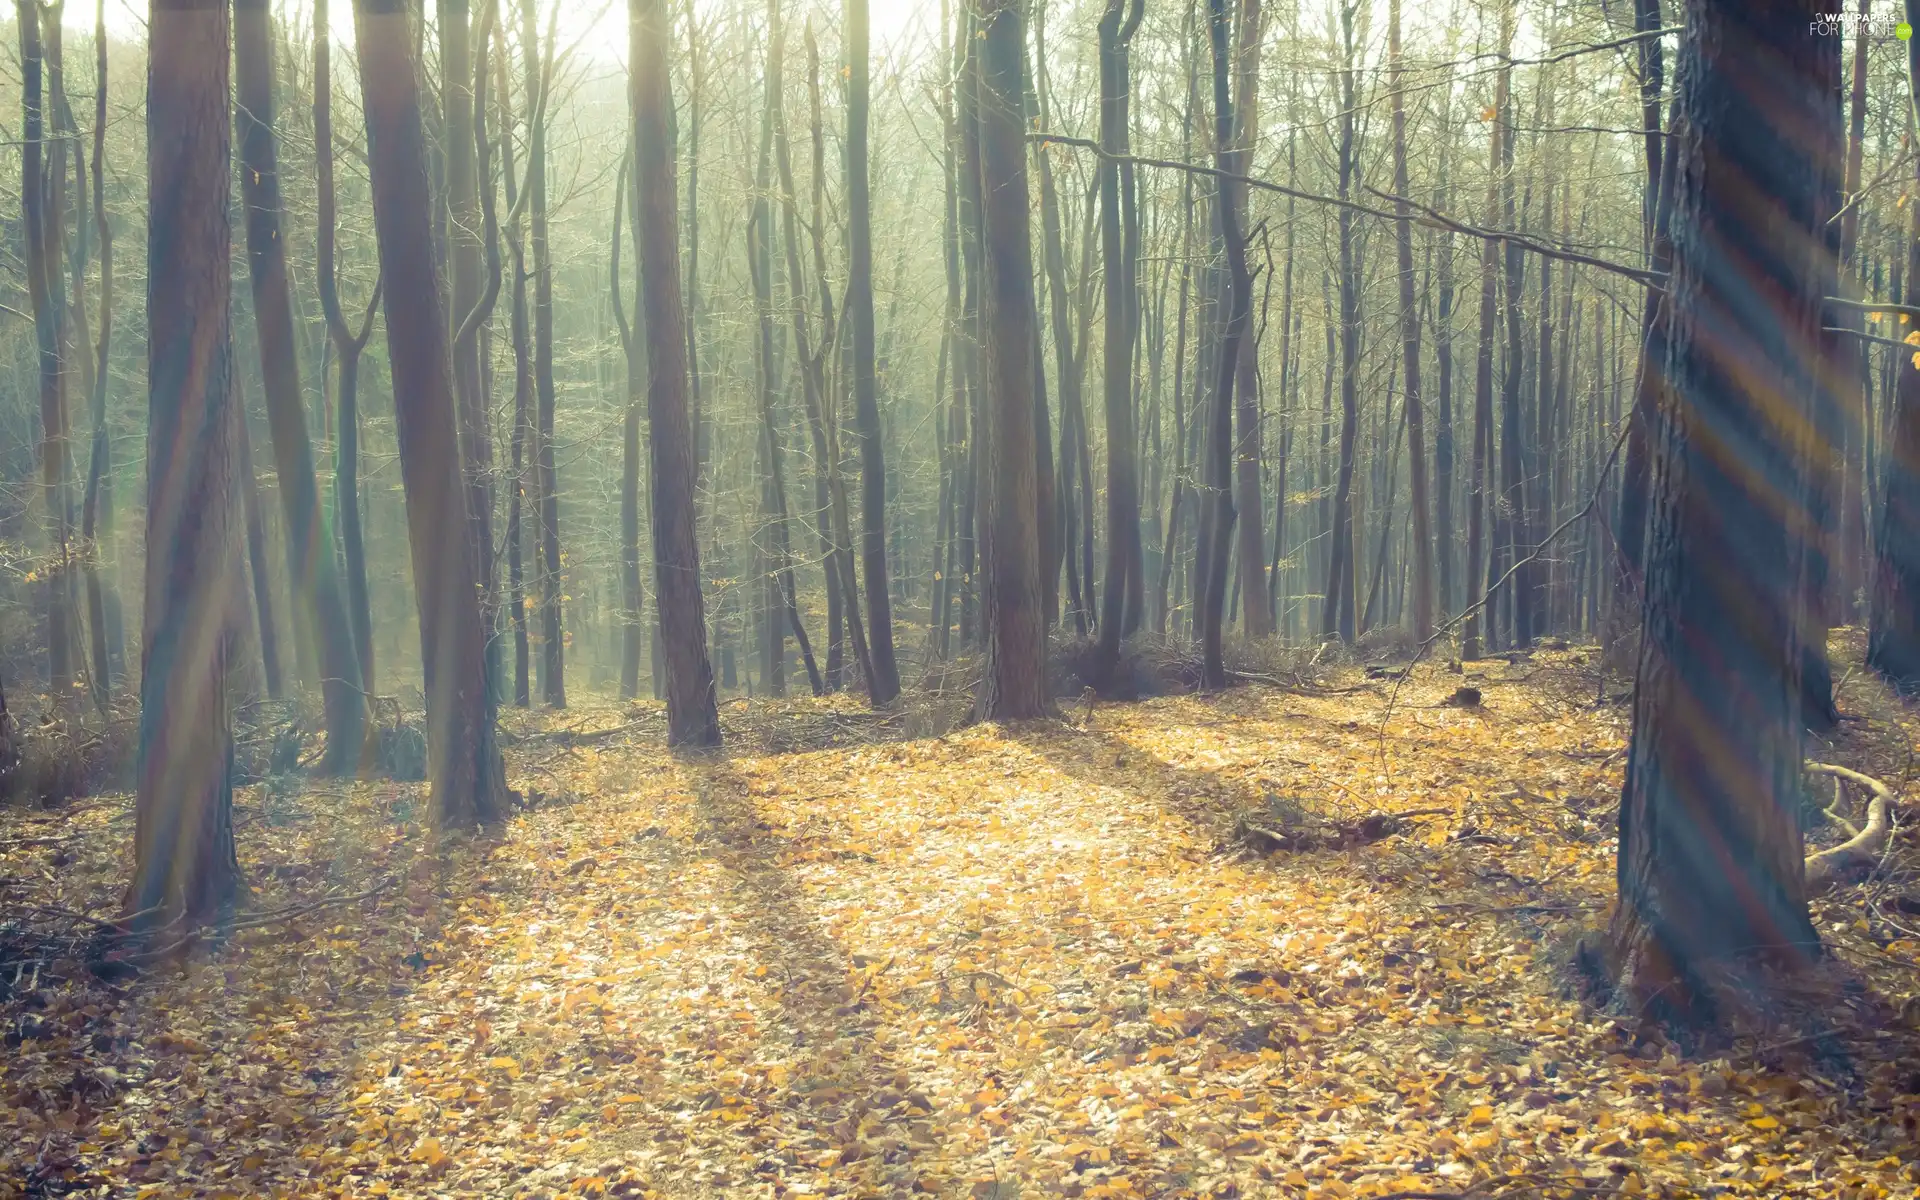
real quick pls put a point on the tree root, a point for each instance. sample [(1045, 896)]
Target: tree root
[(1864, 845)]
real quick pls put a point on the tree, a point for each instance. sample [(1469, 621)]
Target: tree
[(96, 511), (692, 715), (1339, 618), (49, 328), (1255, 617), (1239, 313), (185, 868), (348, 347), (1410, 342), (1117, 26), (464, 768), (546, 485), (883, 684), (1710, 859), (1014, 620), (1893, 622), (320, 609)]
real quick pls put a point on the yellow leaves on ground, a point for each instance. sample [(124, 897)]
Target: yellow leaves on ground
[(1028, 961)]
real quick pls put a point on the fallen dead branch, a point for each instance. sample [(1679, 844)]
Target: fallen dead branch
[(1865, 844)]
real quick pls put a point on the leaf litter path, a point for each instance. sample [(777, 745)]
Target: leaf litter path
[(1022, 961)]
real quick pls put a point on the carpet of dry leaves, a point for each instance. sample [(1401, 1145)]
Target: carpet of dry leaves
[(1011, 962)]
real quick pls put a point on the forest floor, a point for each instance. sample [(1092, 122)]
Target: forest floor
[(1015, 961)]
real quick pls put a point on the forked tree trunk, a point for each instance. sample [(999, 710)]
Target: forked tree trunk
[(464, 764), (1339, 607), (320, 607), (692, 717), (1710, 861), (348, 347), (184, 862), (1015, 684)]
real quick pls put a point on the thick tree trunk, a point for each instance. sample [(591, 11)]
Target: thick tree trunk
[(184, 863), (259, 571), (692, 717), (884, 683), (464, 764), (320, 607), (1710, 860), (1015, 684), (1893, 638)]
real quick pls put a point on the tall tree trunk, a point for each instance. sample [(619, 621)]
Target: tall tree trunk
[(185, 868), (1514, 524), (320, 607), (1710, 860), (1893, 620), (1410, 343), (1340, 614), (96, 520), (459, 90), (546, 484), (260, 572), (692, 716), (784, 604), (465, 770), (1482, 458), (1117, 26), (884, 684), (1015, 683), (1256, 618), (347, 349), (632, 631), (522, 338), (1443, 451), (1239, 309), (49, 324)]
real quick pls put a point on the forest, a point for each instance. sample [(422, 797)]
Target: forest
[(579, 619)]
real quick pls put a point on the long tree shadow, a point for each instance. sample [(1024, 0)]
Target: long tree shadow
[(844, 1098)]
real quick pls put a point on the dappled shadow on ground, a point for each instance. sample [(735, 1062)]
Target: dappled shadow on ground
[(1027, 960)]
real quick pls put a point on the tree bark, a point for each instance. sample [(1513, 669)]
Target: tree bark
[(1340, 616), (1015, 684), (884, 684), (1711, 874), (1117, 26), (185, 868), (692, 717), (321, 608), (546, 486), (1256, 618), (1893, 620), (465, 770), (1410, 347), (348, 347), (49, 325)]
